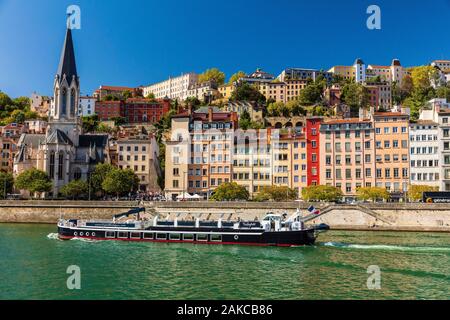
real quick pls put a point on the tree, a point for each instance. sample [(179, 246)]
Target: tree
[(296, 108), (247, 92), (34, 181), (230, 191), (120, 182), (321, 193), (90, 123), (355, 95), (119, 121), (5, 100), (313, 92), (372, 193), (276, 193), (193, 101), (212, 74), (151, 96), (74, 189), (99, 175), (126, 94), (235, 77), (6, 184), (415, 191)]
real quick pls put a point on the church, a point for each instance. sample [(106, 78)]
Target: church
[(64, 152)]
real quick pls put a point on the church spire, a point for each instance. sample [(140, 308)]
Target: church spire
[(67, 65)]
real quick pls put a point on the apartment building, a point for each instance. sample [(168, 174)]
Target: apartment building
[(226, 91), (133, 110), (304, 74), (140, 154), (199, 151), (380, 95), (312, 132), (272, 90), (206, 91), (443, 65), (347, 154), (254, 109), (438, 111), (86, 106), (424, 152), (114, 91), (252, 160), (176, 88), (392, 152)]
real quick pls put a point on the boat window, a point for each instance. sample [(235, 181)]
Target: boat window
[(148, 235), (123, 235), (202, 237), (188, 237), (135, 235), (216, 237), (161, 236), (174, 236)]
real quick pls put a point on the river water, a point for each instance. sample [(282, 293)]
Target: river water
[(33, 265)]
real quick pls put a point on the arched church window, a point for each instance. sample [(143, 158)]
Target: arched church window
[(52, 165), (72, 102), (61, 166), (64, 102)]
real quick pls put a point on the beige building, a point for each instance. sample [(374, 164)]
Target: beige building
[(392, 151), (254, 110), (173, 88), (226, 90), (140, 154), (199, 152)]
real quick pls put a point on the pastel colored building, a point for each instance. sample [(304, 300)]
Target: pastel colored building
[(176, 88)]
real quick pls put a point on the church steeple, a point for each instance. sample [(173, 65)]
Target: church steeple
[(66, 85), (67, 65)]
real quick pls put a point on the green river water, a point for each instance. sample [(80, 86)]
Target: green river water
[(33, 265)]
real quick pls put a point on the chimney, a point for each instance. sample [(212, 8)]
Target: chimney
[(210, 114)]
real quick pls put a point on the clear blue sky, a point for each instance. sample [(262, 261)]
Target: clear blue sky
[(136, 42)]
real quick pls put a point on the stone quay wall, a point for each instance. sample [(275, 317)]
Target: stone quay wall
[(368, 216)]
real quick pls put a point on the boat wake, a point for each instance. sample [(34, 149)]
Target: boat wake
[(84, 240), (385, 247), (53, 236)]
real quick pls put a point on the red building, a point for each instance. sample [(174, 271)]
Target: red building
[(133, 110), (139, 110), (108, 110), (313, 150)]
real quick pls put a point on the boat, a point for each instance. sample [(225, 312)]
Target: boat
[(273, 230)]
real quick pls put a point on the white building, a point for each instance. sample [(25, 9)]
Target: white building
[(360, 71), (439, 112), (173, 88), (86, 107), (206, 91), (424, 153)]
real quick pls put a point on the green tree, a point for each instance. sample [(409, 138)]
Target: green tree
[(415, 191), (355, 95), (119, 121), (22, 103), (126, 94), (321, 193), (120, 182), (276, 193), (247, 92), (296, 108), (313, 92), (151, 96), (34, 181), (372, 193), (5, 100), (230, 191), (90, 123), (235, 77), (99, 176), (75, 189), (6, 184), (212, 74)]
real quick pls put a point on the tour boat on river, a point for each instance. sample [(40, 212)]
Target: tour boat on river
[(273, 230)]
